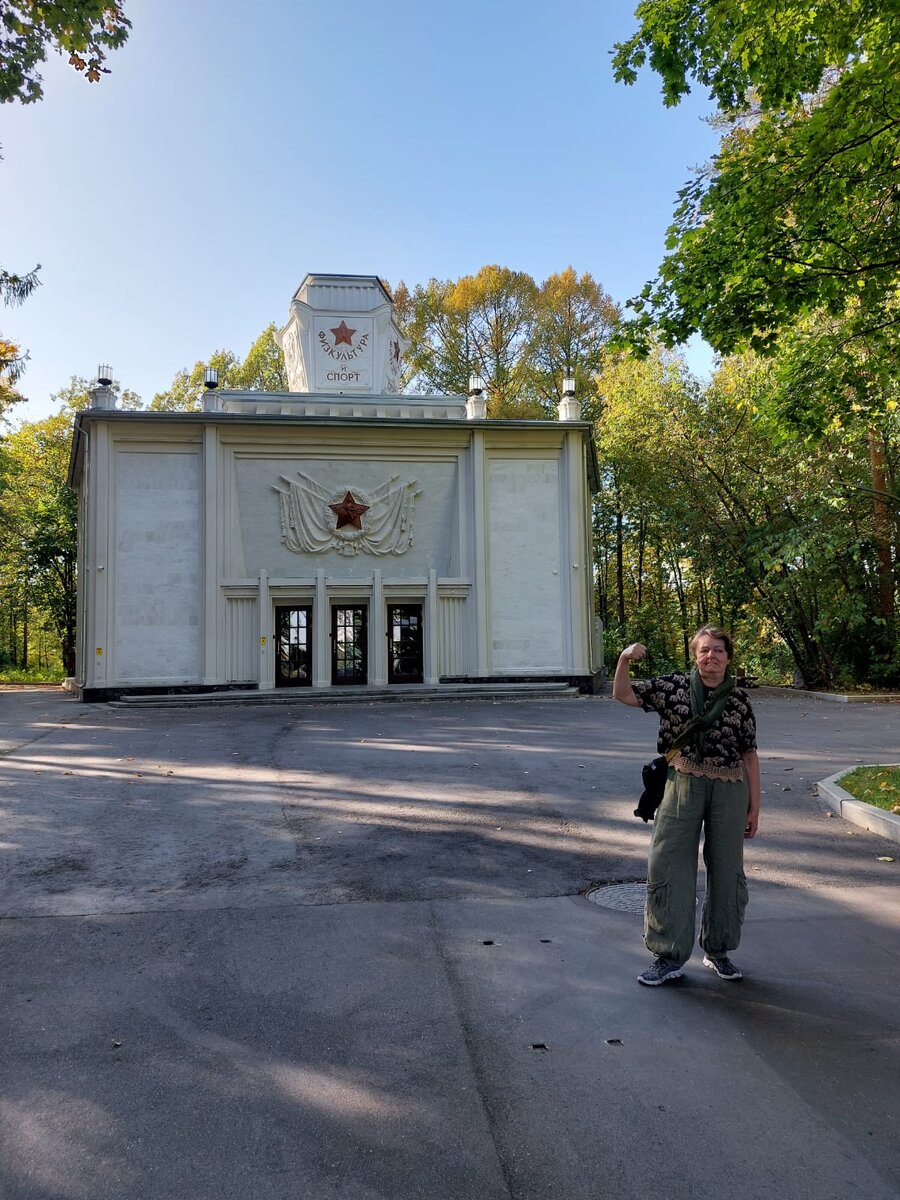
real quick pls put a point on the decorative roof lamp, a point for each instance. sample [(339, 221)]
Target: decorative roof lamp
[(102, 394), (211, 402), (476, 405), (569, 406)]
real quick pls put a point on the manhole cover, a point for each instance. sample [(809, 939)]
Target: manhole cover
[(625, 897)]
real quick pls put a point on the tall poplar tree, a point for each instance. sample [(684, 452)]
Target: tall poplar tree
[(521, 338)]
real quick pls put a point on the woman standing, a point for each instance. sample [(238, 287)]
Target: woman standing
[(713, 790)]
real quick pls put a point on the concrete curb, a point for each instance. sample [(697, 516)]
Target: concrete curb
[(857, 812), (766, 689)]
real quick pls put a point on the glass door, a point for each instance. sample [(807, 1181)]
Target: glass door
[(349, 644), (404, 633), (293, 647)]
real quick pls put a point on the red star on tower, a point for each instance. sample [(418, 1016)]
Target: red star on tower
[(348, 511), (343, 335)]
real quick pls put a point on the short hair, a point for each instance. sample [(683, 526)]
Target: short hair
[(714, 631)]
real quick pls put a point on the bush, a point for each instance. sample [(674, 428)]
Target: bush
[(33, 675)]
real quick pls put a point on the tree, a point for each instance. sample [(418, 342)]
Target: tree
[(38, 526), (76, 395), (37, 517), (262, 369), (641, 542), (11, 364), (16, 288), (520, 338), (797, 213), (441, 355), (717, 513), (13, 290), (498, 306), (476, 325), (183, 394), (574, 319), (825, 380), (83, 30)]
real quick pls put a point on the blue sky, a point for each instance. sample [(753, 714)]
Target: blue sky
[(176, 205)]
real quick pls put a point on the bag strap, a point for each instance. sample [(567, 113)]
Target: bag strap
[(682, 740), (703, 722)]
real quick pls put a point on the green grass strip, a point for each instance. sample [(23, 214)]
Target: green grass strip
[(875, 785)]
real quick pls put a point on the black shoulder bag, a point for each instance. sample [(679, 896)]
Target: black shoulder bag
[(653, 777)]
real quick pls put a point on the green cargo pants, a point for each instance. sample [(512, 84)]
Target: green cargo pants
[(719, 810)]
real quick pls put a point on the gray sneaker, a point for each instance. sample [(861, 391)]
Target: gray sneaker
[(661, 971), (723, 966)]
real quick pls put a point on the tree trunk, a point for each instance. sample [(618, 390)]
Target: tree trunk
[(881, 520), (682, 605), (620, 564), (601, 560), (68, 652), (25, 633), (703, 599)]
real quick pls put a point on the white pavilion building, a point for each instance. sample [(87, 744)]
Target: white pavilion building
[(339, 533)]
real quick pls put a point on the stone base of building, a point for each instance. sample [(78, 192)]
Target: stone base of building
[(590, 685), (586, 684), (102, 695)]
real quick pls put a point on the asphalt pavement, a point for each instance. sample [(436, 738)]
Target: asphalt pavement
[(347, 953)]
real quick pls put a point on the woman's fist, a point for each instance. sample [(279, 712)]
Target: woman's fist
[(635, 650)]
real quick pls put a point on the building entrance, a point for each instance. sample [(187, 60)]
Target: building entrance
[(404, 634), (293, 647), (349, 644)]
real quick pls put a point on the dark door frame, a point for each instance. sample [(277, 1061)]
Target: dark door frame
[(405, 650), (349, 655), (304, 658)]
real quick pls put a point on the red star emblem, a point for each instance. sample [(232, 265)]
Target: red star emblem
[(343, 335), (348, 511)]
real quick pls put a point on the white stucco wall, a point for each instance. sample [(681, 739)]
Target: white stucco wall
[(454, 645), (157, 565), (241, 639), (523, 520)]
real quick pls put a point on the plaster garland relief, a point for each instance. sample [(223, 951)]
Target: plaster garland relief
[(348, 520)]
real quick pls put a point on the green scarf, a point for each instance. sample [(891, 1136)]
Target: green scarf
[(706, 710)]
